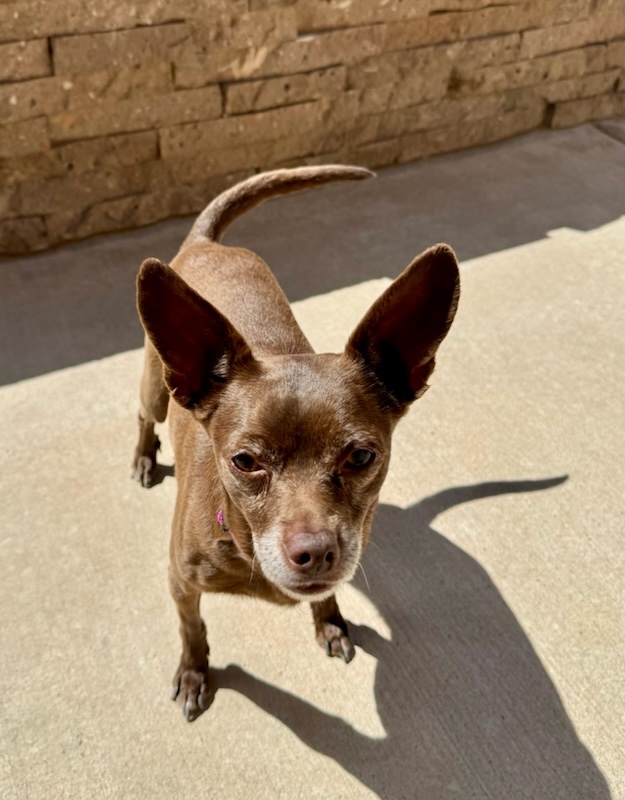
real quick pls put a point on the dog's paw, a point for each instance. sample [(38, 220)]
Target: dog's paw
[(335, 641), (192, 690), (144, 464), (143, 470)]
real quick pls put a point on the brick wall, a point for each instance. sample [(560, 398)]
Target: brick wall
[(115, 114)]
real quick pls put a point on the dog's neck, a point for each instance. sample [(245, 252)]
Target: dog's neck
[(233, 525)]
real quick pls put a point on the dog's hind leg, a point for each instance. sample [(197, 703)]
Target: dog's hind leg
[(154, 399), (331, 629)]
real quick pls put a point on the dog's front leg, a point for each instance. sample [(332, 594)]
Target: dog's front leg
[(331, 629), (191, 686)]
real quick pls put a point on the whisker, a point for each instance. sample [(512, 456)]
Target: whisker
[(365, 577)]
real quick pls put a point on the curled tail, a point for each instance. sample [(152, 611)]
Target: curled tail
[(230, 204)]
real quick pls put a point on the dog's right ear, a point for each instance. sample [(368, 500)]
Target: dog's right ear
[(199, 348)]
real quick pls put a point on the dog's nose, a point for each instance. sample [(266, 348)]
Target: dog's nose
[(311, 553)]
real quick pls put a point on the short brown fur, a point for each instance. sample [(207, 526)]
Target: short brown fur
[(280, 452)]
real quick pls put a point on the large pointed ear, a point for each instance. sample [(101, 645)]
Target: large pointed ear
[(399, 335), (199, 348)]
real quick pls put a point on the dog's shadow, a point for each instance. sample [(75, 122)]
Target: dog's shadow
[(468, 709), (161, 472)]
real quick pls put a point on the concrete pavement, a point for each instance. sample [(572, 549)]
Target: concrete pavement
[(488, 617)]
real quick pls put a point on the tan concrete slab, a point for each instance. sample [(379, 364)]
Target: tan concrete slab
[(489, 623)]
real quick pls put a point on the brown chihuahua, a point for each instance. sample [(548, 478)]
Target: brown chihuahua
[(280, 453)]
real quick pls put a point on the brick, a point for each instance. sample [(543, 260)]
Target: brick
[(74, 192), (314, 160), (50, 96), (26, 19), (236, 131), (375, 154), (256, 5), (456, 27), (558, 12), (110, 215), (41, 166), (582, 87), (523, 73), (313, 15), (5, 198), (306, 54), (334, 120), (233, 31), (23, 236), (212, 161), (615, 54), (607, 6), (444, 113), (136, 83), (444, 140), (483, 22), (390, 68), (596, 58), (253, 157), (577, 34), (23, 138), (110, 152), (193, 71), (22, 60), (485, 52), (28, 99), (273, 92), (134, 115), (324, 124), (339, 114), (118, 49), (424, 86), (574, 112), (407, 77), (348, 46), (299, 151), (128, 212), (232, 48), (107, 153), (364, 130)]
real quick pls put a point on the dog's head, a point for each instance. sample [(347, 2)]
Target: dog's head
[(302, 442)]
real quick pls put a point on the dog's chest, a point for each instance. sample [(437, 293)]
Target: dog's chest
[(223, 570)]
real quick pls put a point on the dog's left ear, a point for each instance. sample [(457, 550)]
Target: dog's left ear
[(398, 337)]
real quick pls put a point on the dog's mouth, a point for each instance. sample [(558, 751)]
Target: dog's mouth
[(314, 588), (317, 590)]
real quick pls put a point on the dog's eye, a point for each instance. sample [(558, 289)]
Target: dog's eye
[(244, 462), (358, 459)]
